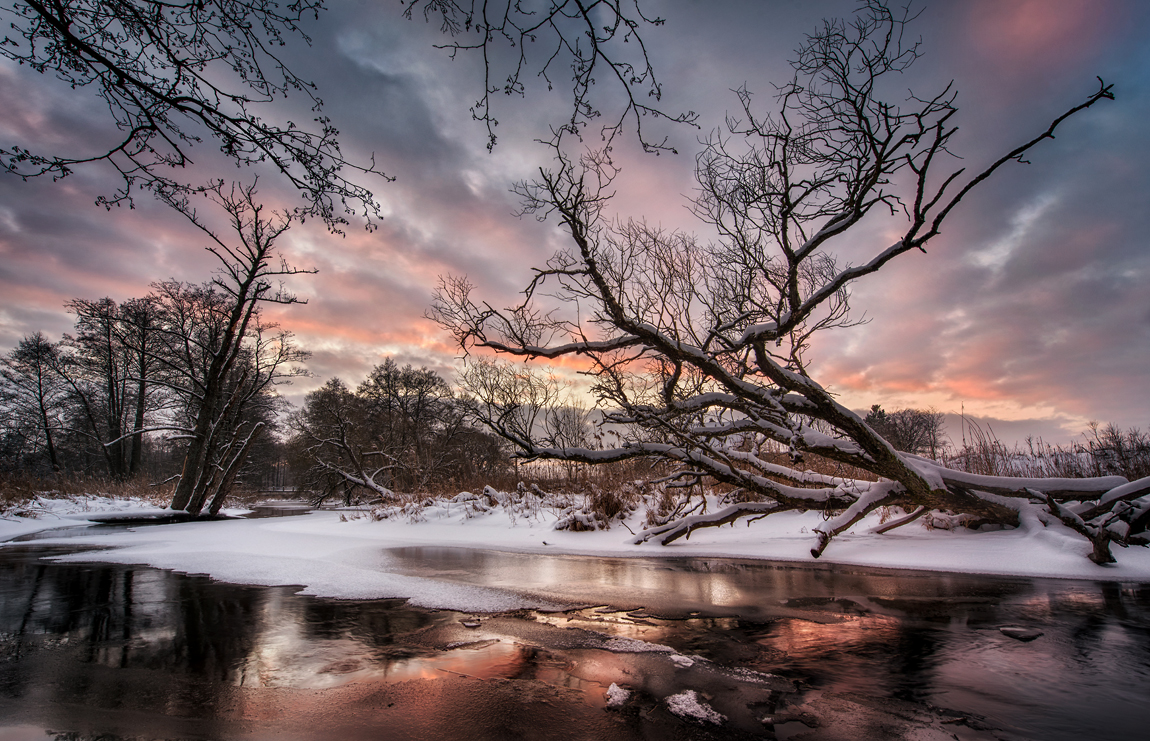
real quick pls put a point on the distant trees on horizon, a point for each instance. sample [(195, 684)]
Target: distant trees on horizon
[(94, 402), (197, 362), (402, 429)]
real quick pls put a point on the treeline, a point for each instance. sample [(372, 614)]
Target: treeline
[(401, 430), (181, 386), (195, 362), (119, 396)]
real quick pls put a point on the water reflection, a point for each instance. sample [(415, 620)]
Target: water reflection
[(119, 650)]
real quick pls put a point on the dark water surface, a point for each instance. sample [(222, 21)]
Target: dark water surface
[(96, 651)]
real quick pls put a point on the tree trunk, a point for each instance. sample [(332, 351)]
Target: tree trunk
[(138, 438), (225, 486), (196, 459), (48, 438)]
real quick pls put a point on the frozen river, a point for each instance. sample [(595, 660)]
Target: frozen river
[(108, 651)]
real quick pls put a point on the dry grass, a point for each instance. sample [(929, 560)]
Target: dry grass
[(18, 489), (1105, 451)]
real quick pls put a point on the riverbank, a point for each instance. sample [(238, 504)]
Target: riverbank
[(338, 553), (100, 644), (685, 648)]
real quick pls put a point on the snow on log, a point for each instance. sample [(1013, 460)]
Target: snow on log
[(672, 531), (1059, 488)]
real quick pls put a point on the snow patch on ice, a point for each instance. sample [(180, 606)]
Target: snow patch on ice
[(617, 696), (635, 646), (750, 675), (687, 705)]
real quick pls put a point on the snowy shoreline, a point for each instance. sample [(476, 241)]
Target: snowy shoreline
[(344, 554)]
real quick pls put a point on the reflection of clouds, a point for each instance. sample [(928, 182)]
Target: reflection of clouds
[(277, 644), (806, 640)]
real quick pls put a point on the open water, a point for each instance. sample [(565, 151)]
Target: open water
[(114, 652)]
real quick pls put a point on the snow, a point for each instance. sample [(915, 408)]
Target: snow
[(755, 330), (617, 696), (46, 513), (624, 645), (346, 554), (1125, 490), (687, 704)]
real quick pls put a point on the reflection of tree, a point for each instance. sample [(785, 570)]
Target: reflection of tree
[(914, 659), (190, 627), (216, 626), (1113, 621), (1112, 596), (374, 623), (98, 617), (185, 640), (908, 631)]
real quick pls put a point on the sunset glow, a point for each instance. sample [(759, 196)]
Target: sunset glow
[(1032, 304)]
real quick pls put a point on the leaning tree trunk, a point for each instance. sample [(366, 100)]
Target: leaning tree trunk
[(189, 490), (227, 481)]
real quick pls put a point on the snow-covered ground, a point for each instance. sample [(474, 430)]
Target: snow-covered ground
[(344, 554)]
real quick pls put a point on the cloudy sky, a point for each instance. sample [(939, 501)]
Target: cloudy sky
[(1031, 310)]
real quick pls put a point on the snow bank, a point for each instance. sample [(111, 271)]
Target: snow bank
[(334, 554), (46, 513), (282, 551), (528, 504)]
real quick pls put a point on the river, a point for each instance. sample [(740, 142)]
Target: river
[(111, 652)]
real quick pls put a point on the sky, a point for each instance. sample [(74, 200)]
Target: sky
[(1030, 312)]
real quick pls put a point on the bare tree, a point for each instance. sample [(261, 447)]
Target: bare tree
[(36, 395), (108, 365), (918, 431), (138, 319), (521, 404), (334, 439), (175, 73), (402, 429), (199, 360), (416, 417), (699, 347), (234, 404), (172, 73), (216, 352), (590, 41), (512, 400)]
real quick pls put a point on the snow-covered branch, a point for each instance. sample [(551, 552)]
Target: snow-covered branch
[(696, 352)]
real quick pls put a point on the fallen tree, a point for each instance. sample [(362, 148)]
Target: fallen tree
[(696, 351)]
